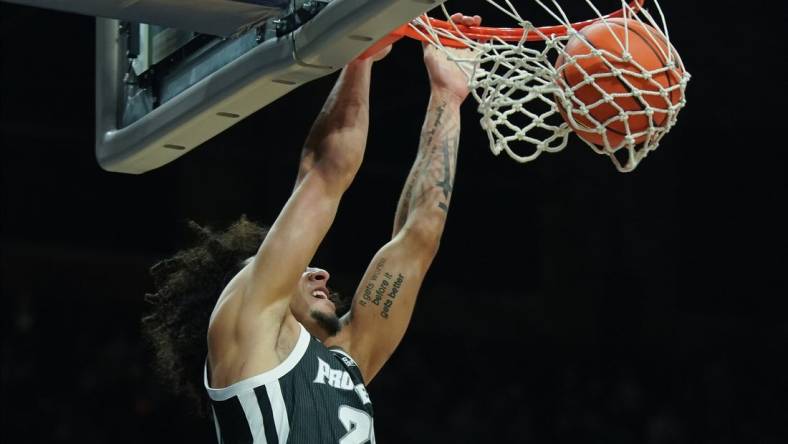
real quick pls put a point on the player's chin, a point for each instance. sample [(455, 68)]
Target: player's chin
[(327, 319), (324, 305)]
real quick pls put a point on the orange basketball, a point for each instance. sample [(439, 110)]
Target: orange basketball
[(649, 49)]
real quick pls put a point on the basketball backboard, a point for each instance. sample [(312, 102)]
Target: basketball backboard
[(176, 89), (170, 74)]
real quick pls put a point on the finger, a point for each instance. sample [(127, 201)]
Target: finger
[(428, 47), (466, 20)]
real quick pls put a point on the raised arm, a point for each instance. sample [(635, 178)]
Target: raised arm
[(384, 301), (332, 155)]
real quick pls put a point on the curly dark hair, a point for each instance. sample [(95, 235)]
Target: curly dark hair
[(188, 285)]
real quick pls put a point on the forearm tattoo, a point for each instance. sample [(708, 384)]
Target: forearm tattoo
[(431, 180), (381, 290)]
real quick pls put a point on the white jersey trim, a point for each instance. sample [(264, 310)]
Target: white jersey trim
[(278, 410), (216, 425), (343, 353), (254, 416), (274, 374)]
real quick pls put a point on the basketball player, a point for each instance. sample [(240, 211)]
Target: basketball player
[(282, 366)]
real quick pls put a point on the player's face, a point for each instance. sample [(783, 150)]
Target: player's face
[(312, 306)]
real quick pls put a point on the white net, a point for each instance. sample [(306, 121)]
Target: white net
[(534, 92)]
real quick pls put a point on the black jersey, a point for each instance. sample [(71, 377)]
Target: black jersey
[(315, 396)]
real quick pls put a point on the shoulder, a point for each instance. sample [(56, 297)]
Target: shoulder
[(235, 322), (294, 359)]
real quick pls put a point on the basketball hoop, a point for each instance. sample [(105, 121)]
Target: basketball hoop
[(614, 80)]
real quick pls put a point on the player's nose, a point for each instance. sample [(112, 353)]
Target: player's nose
[(318, 274)]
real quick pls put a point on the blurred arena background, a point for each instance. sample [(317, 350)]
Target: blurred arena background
[(594, 307)]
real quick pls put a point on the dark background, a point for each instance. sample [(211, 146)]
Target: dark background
[(568, 303)]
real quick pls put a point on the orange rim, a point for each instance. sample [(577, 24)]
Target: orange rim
[(484, 33)]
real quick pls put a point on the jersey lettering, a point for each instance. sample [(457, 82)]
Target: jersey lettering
[(348, 362), (335, 378), (358, 424)]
